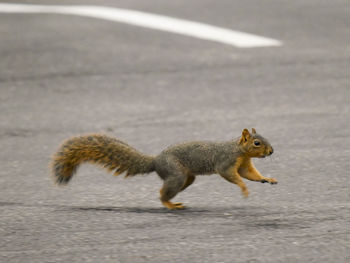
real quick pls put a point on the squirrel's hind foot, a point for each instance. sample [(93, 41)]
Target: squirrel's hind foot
[(173, 206)]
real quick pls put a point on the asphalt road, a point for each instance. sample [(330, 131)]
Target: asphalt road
[(62, 76)]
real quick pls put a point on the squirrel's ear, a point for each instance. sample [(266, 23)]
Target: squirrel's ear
[(253, 131), (245, 136)]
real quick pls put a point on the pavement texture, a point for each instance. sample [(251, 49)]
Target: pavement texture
[(62, 76)]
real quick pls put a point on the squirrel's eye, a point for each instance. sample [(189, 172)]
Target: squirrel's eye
[(256, 143)]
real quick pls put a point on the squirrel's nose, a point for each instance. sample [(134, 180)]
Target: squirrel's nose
[(271, 151)]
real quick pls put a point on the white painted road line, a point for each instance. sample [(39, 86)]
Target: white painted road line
[(153, 21)]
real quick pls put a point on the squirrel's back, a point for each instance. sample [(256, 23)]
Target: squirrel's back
[(201, 157)]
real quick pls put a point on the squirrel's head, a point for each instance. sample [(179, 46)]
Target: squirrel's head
[(254, 145)]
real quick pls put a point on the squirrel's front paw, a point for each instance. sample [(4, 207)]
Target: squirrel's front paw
[(269, 180), (245, 193)]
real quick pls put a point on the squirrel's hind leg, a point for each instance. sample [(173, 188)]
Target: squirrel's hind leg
[(170, 189), (190, 179), (174, 181), (168, 204)]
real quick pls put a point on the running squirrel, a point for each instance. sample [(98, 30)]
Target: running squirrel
[(177, 165)]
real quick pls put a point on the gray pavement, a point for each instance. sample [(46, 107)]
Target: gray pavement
[(64, 75)]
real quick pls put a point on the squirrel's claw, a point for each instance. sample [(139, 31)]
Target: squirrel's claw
[(269, 180), (273, 181)]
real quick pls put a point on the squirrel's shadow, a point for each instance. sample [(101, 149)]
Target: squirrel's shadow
[(213, 211), (152, 210), (252, 217)]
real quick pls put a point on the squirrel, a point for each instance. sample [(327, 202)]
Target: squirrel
[(177, 165)]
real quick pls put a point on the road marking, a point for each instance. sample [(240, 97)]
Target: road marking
[(153, 21)]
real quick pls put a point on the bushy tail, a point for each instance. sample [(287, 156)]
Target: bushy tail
[(105, 151)]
